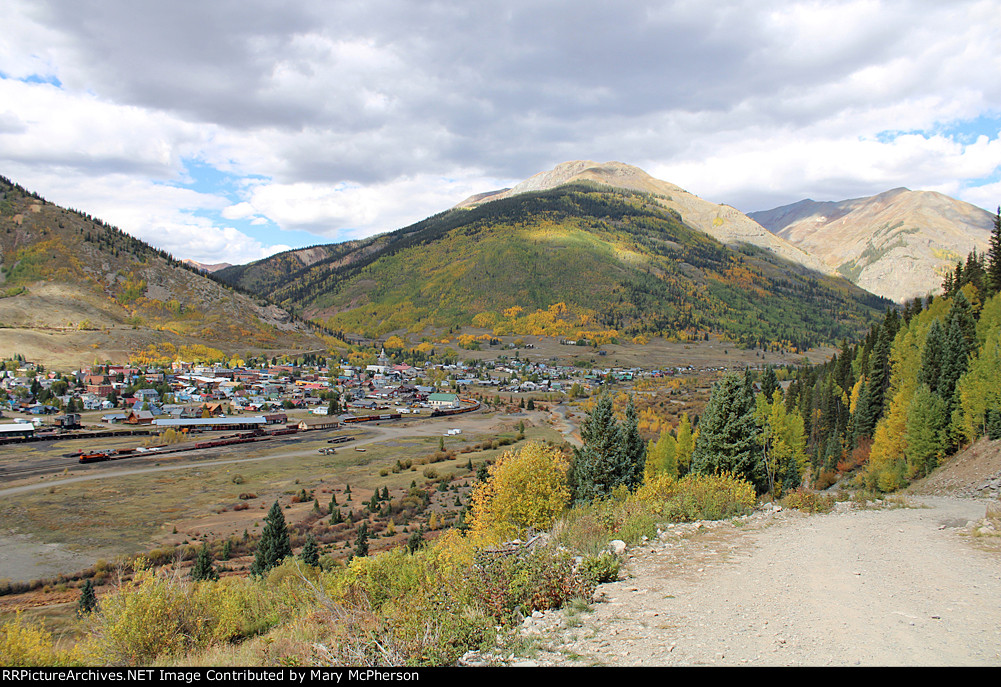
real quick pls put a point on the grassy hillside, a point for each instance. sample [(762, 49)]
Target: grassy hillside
[(88, 285), (579, 260)]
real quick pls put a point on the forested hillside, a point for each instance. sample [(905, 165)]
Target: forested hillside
[(71, 274), (923, 384), (581, 261)]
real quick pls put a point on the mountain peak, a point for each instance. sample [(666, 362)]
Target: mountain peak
[(722, 222), (615, 174), (896, 244)]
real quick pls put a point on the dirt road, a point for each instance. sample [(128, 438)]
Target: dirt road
[(886, 587)]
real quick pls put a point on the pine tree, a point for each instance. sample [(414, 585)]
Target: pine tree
[(633, 450), (727, 440), (594, 472), (926, 421), (88, 599), (994, 257), (203, 569), (361, 542), (310, 553), (769, 382), (274, 545), (931, 356)]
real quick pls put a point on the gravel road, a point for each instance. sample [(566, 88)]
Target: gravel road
[(874, 587)]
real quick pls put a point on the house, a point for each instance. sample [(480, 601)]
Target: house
[(443, 401), (139, 417)]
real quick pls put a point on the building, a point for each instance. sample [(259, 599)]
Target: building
[(443, 401), (15, 430)]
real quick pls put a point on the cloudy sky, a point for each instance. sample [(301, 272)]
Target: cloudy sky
[(229, 130)]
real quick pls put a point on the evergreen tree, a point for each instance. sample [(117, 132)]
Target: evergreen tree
[(769, 382), (310, 553), (926, 422), (931, 357), (88, 599), (274, 545), (957, 344), (993, 281), (416, 540), (361, 542), (992, 421), (203, 569), (595, 469), (955, 356), (975, 272), (727, 440), (633, 450)]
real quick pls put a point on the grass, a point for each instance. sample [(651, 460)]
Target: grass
[(128, 514)]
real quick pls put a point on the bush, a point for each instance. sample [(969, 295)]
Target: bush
[(147, 617), (24, 644), (601, 568), (539, 579), (525, 489), (698, 497), (808, 501)]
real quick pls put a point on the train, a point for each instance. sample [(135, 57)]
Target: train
[(246, 437), (455, 411), (372, 418)]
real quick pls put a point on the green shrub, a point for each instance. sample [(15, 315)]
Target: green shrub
[(543, 578), (601, 568)]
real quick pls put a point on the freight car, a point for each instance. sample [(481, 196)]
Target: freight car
[(372, 418)]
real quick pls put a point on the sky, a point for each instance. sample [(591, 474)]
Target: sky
[(226, 131)]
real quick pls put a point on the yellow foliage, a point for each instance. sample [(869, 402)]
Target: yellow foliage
[(485, 319), (394, 343), (658, 487), (24, 644), (526, 489)]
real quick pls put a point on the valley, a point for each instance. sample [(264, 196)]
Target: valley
[(370, 392)]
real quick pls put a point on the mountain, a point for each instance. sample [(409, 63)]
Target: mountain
[(897, 244), (215, 267), (723, 222), (73, 288), (581, 259)]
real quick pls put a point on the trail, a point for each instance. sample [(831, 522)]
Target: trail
[(880, 587)]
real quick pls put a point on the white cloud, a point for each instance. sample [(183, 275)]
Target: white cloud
[(343, 119), (352, 210)]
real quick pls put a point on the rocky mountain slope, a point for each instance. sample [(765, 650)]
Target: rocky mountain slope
[(723, 222), (897, 244), (73, 289)]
